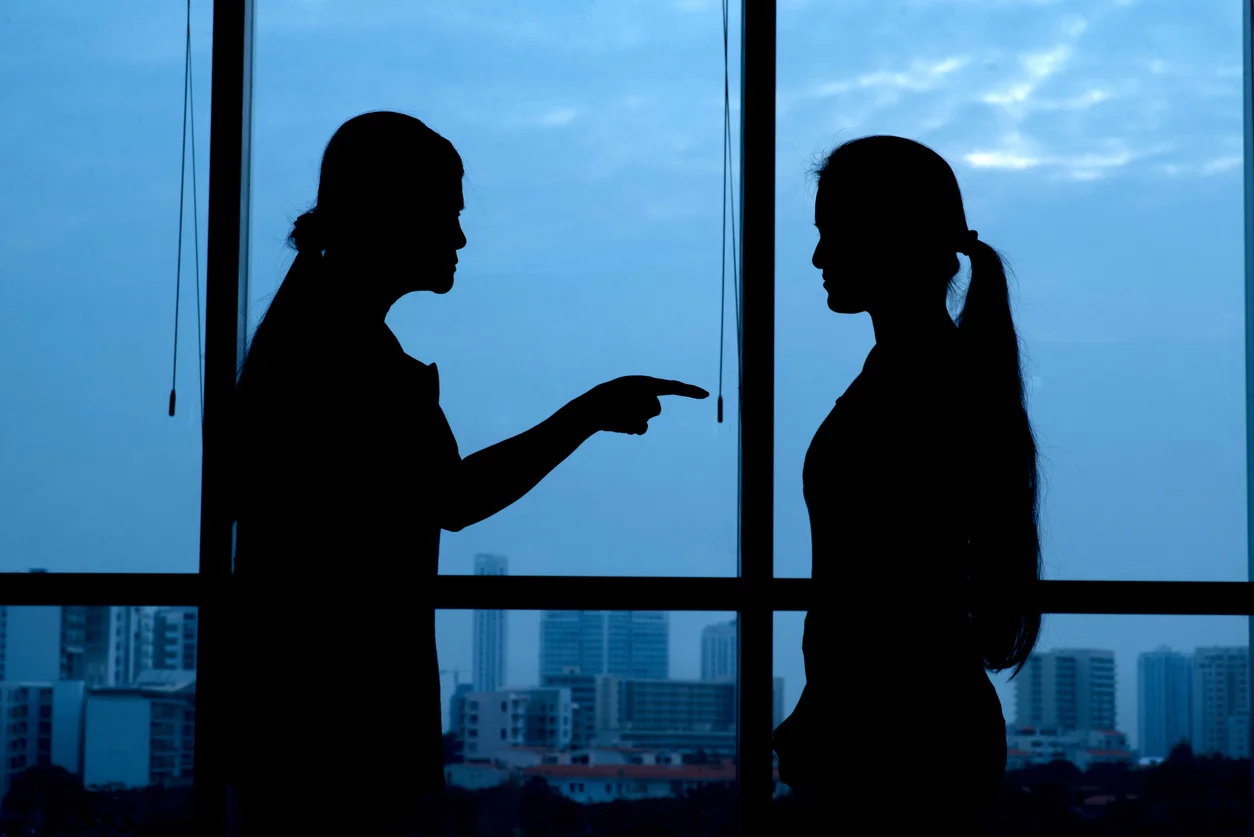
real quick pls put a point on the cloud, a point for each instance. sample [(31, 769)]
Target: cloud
[(1001, 160), (1017, 153), (1038, 67), (557, 117), (921, 76), (1207, 168), (1221, 164), (1075, 27)]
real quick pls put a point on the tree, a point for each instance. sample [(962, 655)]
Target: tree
[(46, 798), (1181, 754)]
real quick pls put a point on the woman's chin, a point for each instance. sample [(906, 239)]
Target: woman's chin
[(840, 304), (442, 285)]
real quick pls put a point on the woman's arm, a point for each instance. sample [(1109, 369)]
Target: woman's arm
[(492, 479)]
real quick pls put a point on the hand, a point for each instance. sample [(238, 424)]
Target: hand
[(625, 405)]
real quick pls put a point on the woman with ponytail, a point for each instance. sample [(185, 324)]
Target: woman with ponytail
[(921, 487), (347, 474)]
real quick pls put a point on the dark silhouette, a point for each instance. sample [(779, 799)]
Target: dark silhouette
[(348, 472), (921, 486)]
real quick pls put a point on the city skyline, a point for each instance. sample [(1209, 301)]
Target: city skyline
[(1142, 634)]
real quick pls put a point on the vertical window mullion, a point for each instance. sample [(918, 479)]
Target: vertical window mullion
[(226, 291), (1247, 47), (756, 400)]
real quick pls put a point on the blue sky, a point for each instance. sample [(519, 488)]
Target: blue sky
[(1098, 145)]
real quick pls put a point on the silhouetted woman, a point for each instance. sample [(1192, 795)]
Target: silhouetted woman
[(921, 487), (348, 473)]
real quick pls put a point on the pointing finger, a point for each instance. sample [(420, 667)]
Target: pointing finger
[(662, 386)]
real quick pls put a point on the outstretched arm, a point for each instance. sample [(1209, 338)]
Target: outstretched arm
[(492, 479)]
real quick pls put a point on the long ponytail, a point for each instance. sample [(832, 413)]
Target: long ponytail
[(276, 332), (1005, 549)]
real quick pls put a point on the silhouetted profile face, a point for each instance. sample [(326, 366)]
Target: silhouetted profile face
[(423, 239), (841, 253), (390, 195), (889, 217)]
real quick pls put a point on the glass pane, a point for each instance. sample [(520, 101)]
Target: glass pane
[(591, 138), (1099, 147), (98, 707), (98, 476), (607, 720), (1096, 720)]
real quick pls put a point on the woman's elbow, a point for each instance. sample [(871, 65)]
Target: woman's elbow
[(454, 518)]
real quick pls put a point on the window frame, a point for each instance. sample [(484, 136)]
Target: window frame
[(755, 594)]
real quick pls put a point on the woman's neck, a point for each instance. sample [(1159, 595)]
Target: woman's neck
[(357, 289), (905, 328)]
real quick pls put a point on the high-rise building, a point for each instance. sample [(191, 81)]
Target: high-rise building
[(489, 633), (176, 632), (1164, 701), (133, 637), (492, 721), (94, 646), (97, 644), (40, 723), (30, 643), (623, 643), (1221, 701), (1067, 688), (718, 652), (583, 690), (684, 716), (140, 735)]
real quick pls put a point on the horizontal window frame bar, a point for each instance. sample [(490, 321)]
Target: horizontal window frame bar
[(678, 593), (143, 589)]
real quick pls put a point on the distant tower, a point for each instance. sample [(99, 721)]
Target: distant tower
[(718, 651), (30, 643), (622, 643), (176, 634), (1221, 701), (1164, 701), (100, 645), (1067, 688), (489, 632)]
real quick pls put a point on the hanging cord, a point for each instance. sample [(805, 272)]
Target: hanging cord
[(728, 195), (189, 111)]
